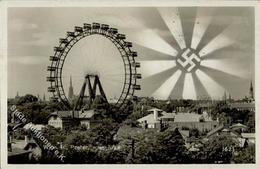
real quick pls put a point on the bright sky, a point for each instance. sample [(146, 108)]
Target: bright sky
[(223, 37)]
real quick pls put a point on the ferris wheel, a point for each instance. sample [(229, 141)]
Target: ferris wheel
[(92, 80)]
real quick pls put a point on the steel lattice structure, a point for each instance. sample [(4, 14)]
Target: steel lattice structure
[(66, 44)]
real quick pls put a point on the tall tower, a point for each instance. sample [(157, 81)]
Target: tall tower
[(251, 91), (225, 96), (71, 94), (17, 95), (229, 97)]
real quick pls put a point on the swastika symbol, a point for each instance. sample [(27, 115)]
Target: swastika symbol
[(188, 57)]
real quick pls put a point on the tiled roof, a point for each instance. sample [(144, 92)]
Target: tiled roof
[(86, 114), (187, 117), (215, 130), (149, 118), (62, 114), (222, 128), (238, 125), (168, 115), (185, 133)]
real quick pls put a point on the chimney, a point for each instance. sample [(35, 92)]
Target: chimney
[(155, 114)]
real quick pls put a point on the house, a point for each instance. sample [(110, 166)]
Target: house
[(89, 118), (250, 137), (60, 119), (23, 151), (243, 106), (155, 119), (158, 118), (227, 131), (66, 119), (202, 122)]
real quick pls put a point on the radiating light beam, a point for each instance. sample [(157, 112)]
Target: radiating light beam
[(164, 91), (226, 67), (148, 54), (214, 89), (171, 17), (200, 88), (149, 68), (150, 39), (189, 91), (201, 24), (216, 43)]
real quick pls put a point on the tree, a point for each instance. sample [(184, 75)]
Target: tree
[(27, 99), (219, 149), (100, 135), (245, 155), (160, 148)]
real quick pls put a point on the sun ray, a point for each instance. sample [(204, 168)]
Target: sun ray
[(149, 68), (189, 88), (153, 82), (149, 54), (201, 91), (214, 89), (171, 17), (163, 92), (150, 39), (218, 42), (188, 16), (177, 91), (227, 67), (233, 84), (201, 24)]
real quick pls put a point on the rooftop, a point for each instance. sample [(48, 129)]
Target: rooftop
[(242, 105)]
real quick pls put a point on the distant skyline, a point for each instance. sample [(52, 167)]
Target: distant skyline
[(221, 39)]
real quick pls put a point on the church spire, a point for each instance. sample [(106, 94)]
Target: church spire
[(70, 81), (251, 91), (71, 94)]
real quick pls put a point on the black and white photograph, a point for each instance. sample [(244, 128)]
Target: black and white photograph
[(130, 85)]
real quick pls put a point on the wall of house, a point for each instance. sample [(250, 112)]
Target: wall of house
[(201, 126), (55, 122)]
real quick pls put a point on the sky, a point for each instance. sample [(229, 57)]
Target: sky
[(221, 37)]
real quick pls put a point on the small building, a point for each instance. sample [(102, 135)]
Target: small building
[(156, 118), (227, 131), (66, 119), (250, 137), (202, 122), (60, 119), (89, 118), (243, 106)]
